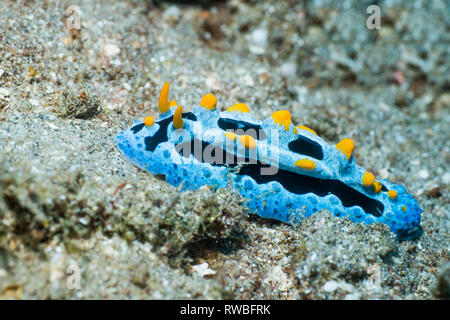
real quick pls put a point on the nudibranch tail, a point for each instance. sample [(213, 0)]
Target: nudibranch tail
[(287, 172)]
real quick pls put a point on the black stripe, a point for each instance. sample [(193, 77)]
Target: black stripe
[(137, 128)]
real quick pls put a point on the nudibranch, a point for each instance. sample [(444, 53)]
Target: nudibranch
[(286, 172)]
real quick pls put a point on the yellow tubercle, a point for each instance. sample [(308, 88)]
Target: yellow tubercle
[(346, 146), (306, 128), (163, 104), (208, 101), (392, 194), (404, 208), (230, 136), (172, 103), (283, 118), (367, 179), (239, 107), (305, 164), (247, 141), (177, 118), (149, 121), (376, 187)]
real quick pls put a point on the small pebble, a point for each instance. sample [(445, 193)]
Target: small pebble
[(110, 50), (213, 83), (289, 70), (172, 13), (203, 269), (446, 178), (353, 296), (258, 39), (330, 286), (4, 93), (423, 174), (34, 102)]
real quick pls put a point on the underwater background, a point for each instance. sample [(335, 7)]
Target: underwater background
[(74, 74)]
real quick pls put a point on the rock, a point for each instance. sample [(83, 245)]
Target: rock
[(353, 296), (172, 13), (203, 270), (441, 287), (423, 174), (258, 41), (446, 178), (278, 278), (4, 93), (110, 50)]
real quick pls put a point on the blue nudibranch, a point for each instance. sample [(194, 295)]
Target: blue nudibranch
[(287, 172)]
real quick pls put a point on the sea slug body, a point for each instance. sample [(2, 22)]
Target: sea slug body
[(287, 172)]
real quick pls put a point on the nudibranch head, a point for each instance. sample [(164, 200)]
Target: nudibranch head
[(287, 172)]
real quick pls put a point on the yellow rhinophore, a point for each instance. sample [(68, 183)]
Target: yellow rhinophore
[(367, 179), (208, 101), (392, 194), (149, 121), (346, 146), (239, 107), (247, 141), (283, 118), (305, 164), (306, 128), (376, 187), (164, 99), (177, 118), (230, 136)]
